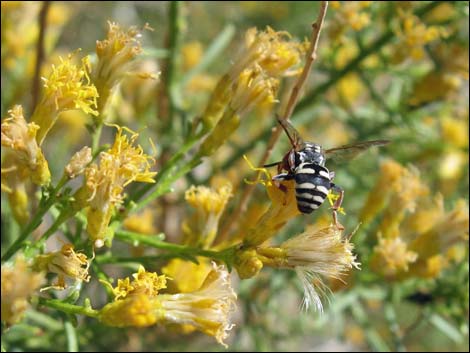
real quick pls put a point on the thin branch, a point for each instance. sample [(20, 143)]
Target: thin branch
[(39, 53), (276, 131)]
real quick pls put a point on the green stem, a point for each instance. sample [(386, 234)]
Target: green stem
[(166, 176), (68, 308), (95, 137), (36, 221), (71, 334), (394, 327), (180, 250)]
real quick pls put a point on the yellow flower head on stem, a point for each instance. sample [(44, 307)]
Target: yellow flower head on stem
[(116, 59), (207, 309), (273, 51), (252, 88), (67, 87), (209, 204), (254, 77), (143, 283), (122, 164), (19, 282), (136, 311), (20, 138), (325, 252), (65, 263)]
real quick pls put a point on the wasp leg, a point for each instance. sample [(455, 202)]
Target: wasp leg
[(281, 177), (337, 205)]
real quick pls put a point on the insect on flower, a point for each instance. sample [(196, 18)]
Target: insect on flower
[(305, 164)]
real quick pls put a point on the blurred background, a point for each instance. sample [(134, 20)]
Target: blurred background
[(385, 70)]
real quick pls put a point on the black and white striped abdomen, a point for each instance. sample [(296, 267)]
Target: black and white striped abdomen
[(312, 185)]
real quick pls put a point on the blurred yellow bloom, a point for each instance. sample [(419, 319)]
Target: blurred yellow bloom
[(414, 35), (19, 137), (404, 196), (119, 166), (67, 87), (391, 256), (435, 85), (392, 179), (348, 14), (209, 204), (455, 131), (192, 54), (65, 263), (19, 283), (138, 303)]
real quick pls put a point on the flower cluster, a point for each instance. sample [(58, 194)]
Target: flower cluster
[(138, 303)]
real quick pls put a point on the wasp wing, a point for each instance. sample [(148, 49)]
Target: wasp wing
[(292, 134), (347, 152)]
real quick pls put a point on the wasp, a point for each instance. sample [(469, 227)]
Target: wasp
[(305, 164)]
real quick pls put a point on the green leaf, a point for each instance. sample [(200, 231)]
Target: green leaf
[(446, 328)]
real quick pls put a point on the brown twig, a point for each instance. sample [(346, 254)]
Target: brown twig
[(276, 132), (39, 53)]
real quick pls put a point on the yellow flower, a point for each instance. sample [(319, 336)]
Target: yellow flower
[(137, 310), (144, 283), (138, 303), (314, 253), (271, 50), (448, 229), (186, 276), (405, 193), (252, 87), (20, 138), (122, 164), (208, 204), (253, 79), (65, 263), (348, 14), (207, 309), (393, 179), (67, 87), (78, 162), (414, 35), (116, 57), (18, 285), (391, 256)]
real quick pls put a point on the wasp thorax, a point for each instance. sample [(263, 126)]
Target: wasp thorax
[(311, 153)]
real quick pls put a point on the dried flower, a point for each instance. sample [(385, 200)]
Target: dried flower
[(65, 263)]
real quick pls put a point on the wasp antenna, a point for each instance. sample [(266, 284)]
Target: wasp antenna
[(284, 125), (271, 164)]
